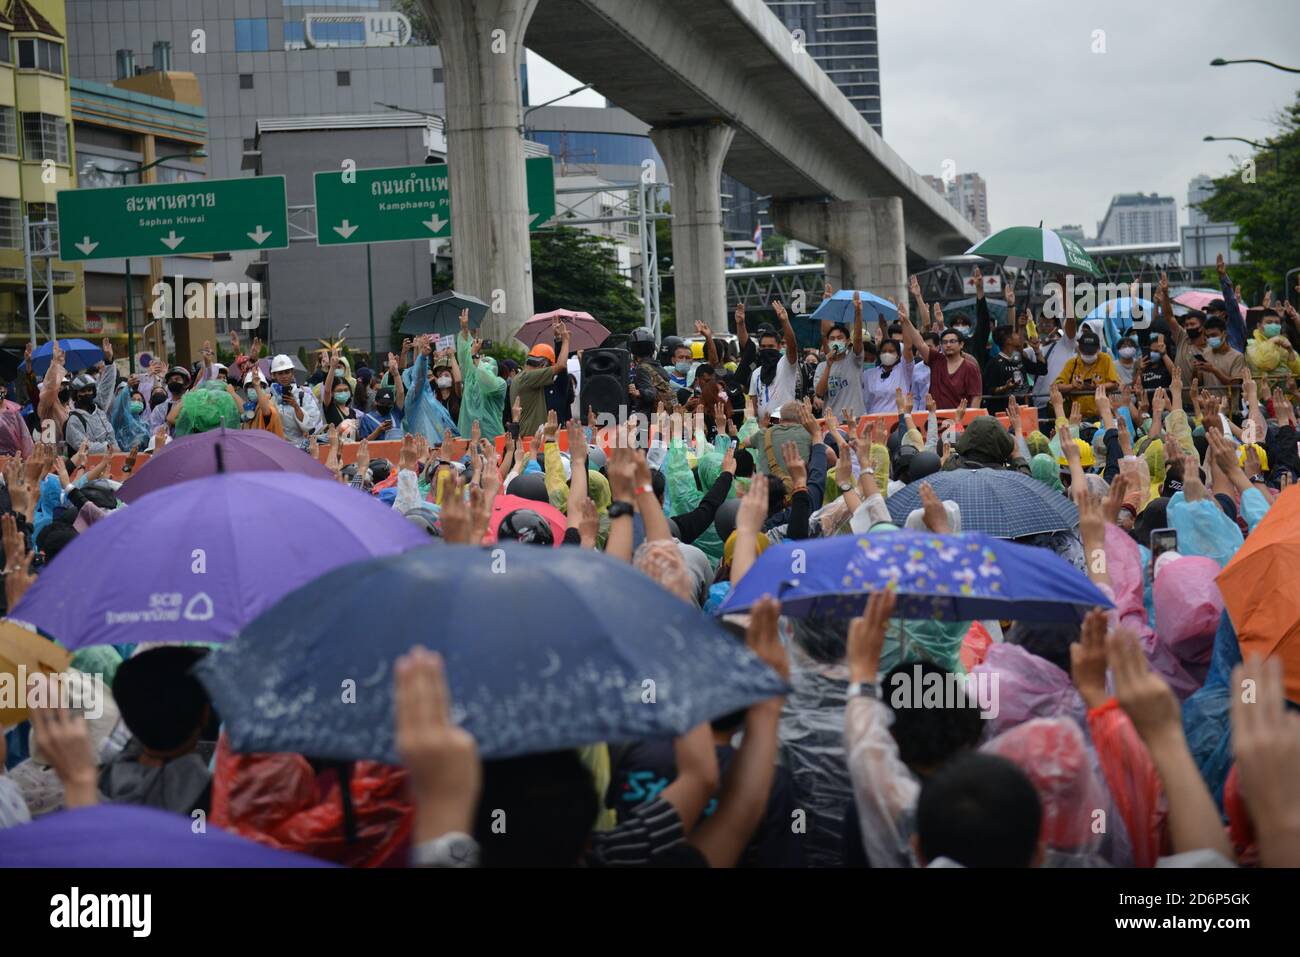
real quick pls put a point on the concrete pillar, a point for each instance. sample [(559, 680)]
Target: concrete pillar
[(481, 42), (865, 237), (694, 156)]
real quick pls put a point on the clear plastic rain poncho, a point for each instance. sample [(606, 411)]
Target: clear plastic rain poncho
[(1027, 687)]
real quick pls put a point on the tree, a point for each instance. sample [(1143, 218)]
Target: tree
[(667, 292), (1262, 196), (421, 29), (573, 269)]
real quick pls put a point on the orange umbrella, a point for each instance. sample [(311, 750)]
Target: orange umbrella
[(24, 653), (1259, 589)]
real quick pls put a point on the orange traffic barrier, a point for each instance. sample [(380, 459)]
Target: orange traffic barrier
[(455, 448)]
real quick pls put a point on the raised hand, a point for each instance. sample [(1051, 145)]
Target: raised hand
[(867, 637), (933, 513), (794, 464), (442, 758)]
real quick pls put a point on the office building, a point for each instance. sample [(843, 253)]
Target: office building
[(37, 159), (314, 290), (254, 58), (1073, 231), (841, 36), (1137, 218), (119, 131), (1203, 241), (968, 194)]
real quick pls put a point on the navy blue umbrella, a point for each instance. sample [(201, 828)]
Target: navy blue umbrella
[(545, 649), (951, 577), (1000, 502), (78, 354)]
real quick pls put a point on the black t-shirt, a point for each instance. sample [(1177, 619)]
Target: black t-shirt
[(1154, 375), (334, 417), (641, 770)]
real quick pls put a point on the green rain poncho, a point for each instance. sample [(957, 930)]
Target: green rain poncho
[(484, 398), (206, 408), (1045, 468), (684, 494)]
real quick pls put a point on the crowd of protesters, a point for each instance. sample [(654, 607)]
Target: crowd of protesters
[(1135, 714)]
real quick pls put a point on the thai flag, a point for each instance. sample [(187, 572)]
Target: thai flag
[(758, 242)]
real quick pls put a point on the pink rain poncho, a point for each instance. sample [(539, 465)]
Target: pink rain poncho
[(1054, 755)]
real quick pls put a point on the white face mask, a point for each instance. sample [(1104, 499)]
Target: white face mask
[(443, 381), (888, 359), (1089, 360), (1127, 352)]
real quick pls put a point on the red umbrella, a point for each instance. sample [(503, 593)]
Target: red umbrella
[(584, 331), (503, 505)]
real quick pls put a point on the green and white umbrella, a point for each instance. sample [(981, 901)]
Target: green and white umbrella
[(1020, 246)]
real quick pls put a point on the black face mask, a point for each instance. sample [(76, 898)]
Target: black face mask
[(86, 402), (176, 387), (384, 407), (767, 360), (157, 398), (63, 395)]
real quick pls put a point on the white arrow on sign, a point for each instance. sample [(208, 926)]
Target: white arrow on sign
[(260, 236), (435, 223), (171, 240), (533, 218), (86, 246), (346, 230)]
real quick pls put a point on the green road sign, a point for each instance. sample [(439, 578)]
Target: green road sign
[(165, 219), (407, 202)]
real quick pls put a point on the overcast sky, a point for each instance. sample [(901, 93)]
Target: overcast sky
[(1011, 89)]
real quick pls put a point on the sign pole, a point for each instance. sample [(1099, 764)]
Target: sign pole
[(370, 294), (130, 321), (31, 293)]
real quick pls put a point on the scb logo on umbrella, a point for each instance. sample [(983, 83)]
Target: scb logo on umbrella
[(166, 606)]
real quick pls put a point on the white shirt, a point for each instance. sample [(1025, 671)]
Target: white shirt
[(1062, 351), (770, 398)]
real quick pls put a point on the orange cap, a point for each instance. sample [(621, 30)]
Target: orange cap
[(543, 350)]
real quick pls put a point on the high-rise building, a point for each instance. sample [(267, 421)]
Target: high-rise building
[(968, 194), (1202, 240), (1199, 189), (1073, 231), (257, 58), (37, 159), (841, 36), (1135, 218)]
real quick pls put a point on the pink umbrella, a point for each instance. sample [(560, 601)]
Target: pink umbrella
[(1198, 299), (503, 505), (584, 331)]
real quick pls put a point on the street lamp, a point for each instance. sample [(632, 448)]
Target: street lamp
[(523, 120), (1220, 61), (139, 170)]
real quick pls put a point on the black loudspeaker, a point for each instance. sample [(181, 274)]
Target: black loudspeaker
[(605, 377)]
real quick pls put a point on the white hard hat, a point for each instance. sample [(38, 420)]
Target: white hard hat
[(219, 367), (248, 379), (282, 363)]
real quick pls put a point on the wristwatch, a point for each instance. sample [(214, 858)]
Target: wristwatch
[(453, 849), (865, 689), (619, 509), (846, 486)]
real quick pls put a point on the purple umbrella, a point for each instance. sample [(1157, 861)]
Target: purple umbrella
[(194, 456), (197, 561), (127, 835)]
